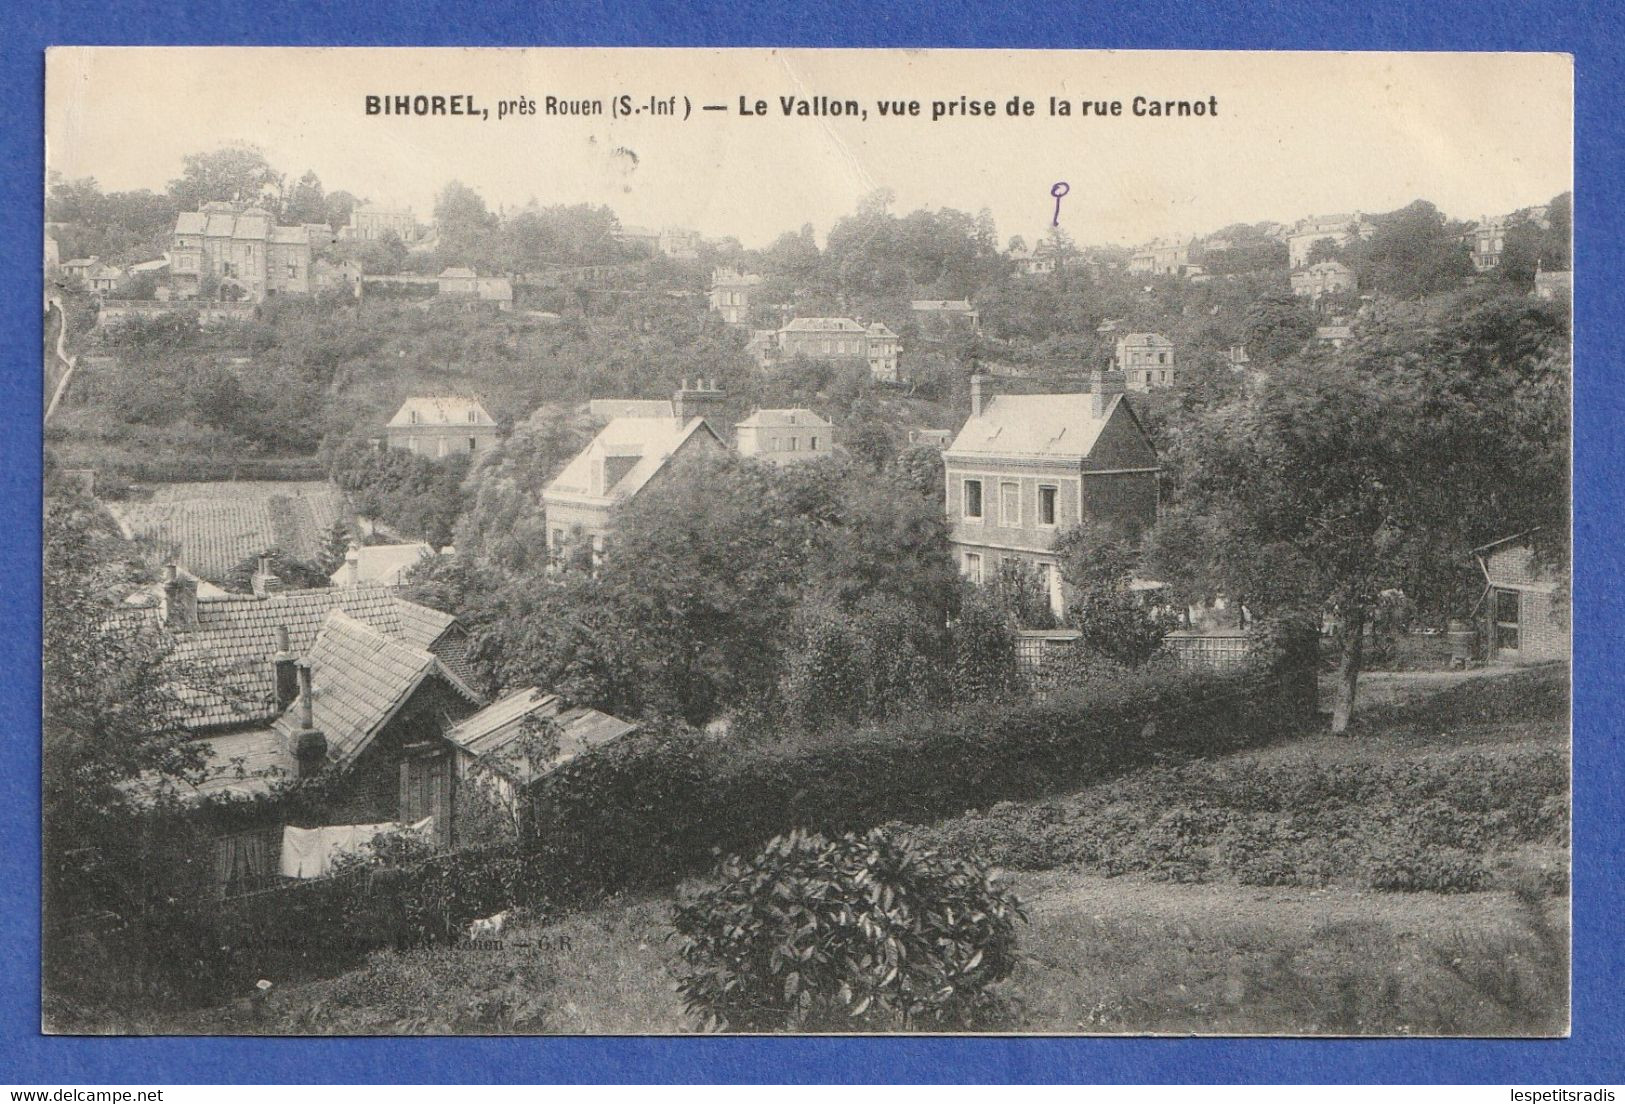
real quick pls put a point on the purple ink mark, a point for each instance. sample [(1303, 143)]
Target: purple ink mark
[(1058, 190)]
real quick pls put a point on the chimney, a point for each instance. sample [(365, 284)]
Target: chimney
[(978, 390), (264, 580), (702, 399), (309, 746), (1103, 384), (352, 566), (287, 676), (179, 601)]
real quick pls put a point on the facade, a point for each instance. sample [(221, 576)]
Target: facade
[(1162, 258), (241, 248), (938, 439), (1026, 468), (627, 458), (370, 222), (1487, 241), (838, 339), (1146, 361), (1038, 260), (781, 437), (103, 279), (436, 426), (1324, 278), (679, 243), (945, 314), (1338, 229), (730, 294), (1524, 614)]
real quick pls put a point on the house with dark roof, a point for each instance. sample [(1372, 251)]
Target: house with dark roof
[(1524, 610), (240, 247), (1146, 361), (1026, 468)]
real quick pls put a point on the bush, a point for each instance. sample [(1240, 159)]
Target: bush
[(855, 934)]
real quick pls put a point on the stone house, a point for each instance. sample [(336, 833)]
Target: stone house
[(781, 437), (839, 339), (442, 425), (937, 315), (371, 222), (730, 294), (1324, 278), (1026, 468), (1146, 361), (242, 248), (1338, 229), (1524, 612)]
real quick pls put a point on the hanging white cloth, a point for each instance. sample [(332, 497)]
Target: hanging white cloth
[(309, 852)]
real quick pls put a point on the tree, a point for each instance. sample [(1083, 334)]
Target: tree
[(465, 227), (1437, 430), (1278, 326), (305, 201), (235, 173), (1414, 251)]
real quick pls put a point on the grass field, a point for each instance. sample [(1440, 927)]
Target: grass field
[(1153, 950)]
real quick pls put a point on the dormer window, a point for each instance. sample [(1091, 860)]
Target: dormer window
[(415, 418)]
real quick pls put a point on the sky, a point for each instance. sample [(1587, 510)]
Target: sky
[(1294, 134)]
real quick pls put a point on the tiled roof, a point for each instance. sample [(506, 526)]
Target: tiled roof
[(228, 677), (1062, 427), (212, 527), (652, 441), (359, 678), (1155, 340), (796, 416), (191, 222), (495, 728), (442, 410)]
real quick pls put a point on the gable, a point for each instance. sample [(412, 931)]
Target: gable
[(1122, 443)]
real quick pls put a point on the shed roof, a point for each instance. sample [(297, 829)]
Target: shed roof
[(494, 730), (1061, 427)]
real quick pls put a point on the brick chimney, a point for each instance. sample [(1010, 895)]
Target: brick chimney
[(179, 602), (309, 745), (352, 567), (981, 392), (1103, 384), (264, 580), (287, 675), (702, 399)]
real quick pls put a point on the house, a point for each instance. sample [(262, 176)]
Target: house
[(372, 222), (945, 314), (935, 438), (1524, 612), (679, 243), (457, 281), (1340, 230), (628, 457), (1487, 241), (157, 264), (1162, 258), (1236, 357), (1334, 336), (1146, 360), (1026, 468), (443, 425), (491, 744), (781, 437), (495, 289), (1324, 278), (53, 255), (730, 294), (241, 248), (327, 275), (1553, 285), (380, 564), (103, 278), (1038, 260), (79, 268), (839, 339)]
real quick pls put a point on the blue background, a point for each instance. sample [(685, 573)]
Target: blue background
[(1593, 1054)]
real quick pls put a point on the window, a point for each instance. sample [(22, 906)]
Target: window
[(1010, 503), (1506, 620), (795, 444), (812, 444), (1162, 358), (973, 500), (411, 444), (973, 566), (293, 271), (414, 417), (473, 444), (473, 416), (1046, 505)]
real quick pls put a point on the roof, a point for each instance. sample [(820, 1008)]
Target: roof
[(494, 287), (1334, 333), (290, 235), (191, 222), (605, 410), (1155, 340), (821, 325), (212, 527), (229, 653), (496, 728), (880, 329), (1062, 427), (360, 677), (652, 441), (794, 416), (383, 564), (940, 305), (152, 594), (457, 274), (442, 410)]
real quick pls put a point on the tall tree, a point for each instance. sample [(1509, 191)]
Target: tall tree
[(236, 173)]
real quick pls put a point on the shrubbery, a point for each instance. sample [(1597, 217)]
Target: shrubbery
[(860, 933)]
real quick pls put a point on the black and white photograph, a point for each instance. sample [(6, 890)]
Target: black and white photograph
[(668, 541)]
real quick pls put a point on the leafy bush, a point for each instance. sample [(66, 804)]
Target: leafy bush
[(855, 934)]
